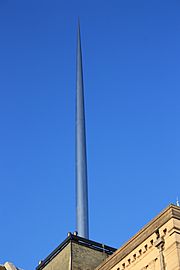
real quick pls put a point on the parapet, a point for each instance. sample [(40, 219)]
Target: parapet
[(76, 253)]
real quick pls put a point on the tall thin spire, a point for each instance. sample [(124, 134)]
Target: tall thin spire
[(82, 220)]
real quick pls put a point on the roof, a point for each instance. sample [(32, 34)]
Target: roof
[(171, 211), (79, 240)]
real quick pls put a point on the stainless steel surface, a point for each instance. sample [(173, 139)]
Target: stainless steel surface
[(82, 221)]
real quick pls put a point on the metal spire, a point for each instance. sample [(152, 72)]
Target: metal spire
[(82, 222)]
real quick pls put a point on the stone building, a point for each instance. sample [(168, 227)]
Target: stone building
[(155, 247), (76, 253), (8, 266)]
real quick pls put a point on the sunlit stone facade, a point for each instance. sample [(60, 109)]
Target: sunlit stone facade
[(154, 247)]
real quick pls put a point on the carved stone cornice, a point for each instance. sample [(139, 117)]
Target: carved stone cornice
[(171, 211)]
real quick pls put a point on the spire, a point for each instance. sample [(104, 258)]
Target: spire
[(82, 222)]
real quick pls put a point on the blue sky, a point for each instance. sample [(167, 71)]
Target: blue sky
[(131, 72)]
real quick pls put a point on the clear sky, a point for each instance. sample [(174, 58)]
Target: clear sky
[(131, 57)]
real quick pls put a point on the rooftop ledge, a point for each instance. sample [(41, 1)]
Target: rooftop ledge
[(172, 211), (79, 240)]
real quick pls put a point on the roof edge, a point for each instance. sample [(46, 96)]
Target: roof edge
[(172, 211), (79, 240)]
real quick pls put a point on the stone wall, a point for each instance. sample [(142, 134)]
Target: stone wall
[(62, 261), (76, 256), (155, 247), (85, 258)]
